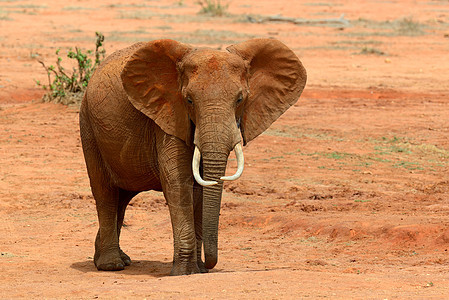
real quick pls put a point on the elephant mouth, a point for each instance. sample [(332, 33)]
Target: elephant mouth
[(196, 167)]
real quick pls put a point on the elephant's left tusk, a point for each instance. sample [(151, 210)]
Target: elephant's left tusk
[(196, 169), (240, 163)]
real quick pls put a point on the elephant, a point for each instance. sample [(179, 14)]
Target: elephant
[(164, 116)]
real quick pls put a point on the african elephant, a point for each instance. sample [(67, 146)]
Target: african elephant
[(164, 116)]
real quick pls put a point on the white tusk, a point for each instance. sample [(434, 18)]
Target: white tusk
[(240, 163), (196, 169)]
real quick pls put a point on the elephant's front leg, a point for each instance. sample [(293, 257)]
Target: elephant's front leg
[(177, 184), (184, 256), (198, 215)]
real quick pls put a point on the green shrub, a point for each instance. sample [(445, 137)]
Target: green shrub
[(68, 87)]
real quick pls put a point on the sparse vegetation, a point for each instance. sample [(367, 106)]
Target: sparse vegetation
[(338, 155), (29, 6), (137, 14), (408, 165), (370, 50), (408, 26), (395, 152), (356, 42), (213, 7), (139, 5), (76, 8), (4, 15), (399, 27), (322, 4), (68, 88)]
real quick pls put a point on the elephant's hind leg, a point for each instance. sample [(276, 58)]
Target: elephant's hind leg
[(107, 251), (124, 199)]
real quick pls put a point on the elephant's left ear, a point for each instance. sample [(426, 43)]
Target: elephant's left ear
[(276, 80), (150, 78)]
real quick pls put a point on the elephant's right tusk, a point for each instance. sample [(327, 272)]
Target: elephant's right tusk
[(196, 169), (240, 163)]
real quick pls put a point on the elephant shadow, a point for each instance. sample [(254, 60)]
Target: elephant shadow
[(138, 267)]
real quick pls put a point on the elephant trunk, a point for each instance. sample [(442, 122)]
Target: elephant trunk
[(214, 167), (213, 145)]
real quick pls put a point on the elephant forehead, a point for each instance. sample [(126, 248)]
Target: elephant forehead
[(212, 62)]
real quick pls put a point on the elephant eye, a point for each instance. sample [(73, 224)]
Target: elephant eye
[(189, 100), (239, 99)]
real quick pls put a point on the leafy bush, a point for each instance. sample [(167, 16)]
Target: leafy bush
[(68, 87)]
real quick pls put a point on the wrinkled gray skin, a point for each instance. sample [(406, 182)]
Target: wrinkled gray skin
[(149, 105)]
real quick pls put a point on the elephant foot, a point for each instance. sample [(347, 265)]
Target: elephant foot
[(113, 266), (109, 262), (184, 269), (125, 258), (202, 267)]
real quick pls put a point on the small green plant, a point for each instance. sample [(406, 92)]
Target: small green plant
[(338, 155), (68, 87), (408, 165), (213, 7)]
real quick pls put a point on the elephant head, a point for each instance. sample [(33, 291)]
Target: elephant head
[(212, 99)]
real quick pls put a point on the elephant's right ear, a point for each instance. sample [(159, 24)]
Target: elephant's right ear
[(150, 78)]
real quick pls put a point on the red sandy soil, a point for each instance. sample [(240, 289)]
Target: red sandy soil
[(345, 196)]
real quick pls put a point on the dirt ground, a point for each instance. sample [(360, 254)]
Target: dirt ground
[(345, 196)]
